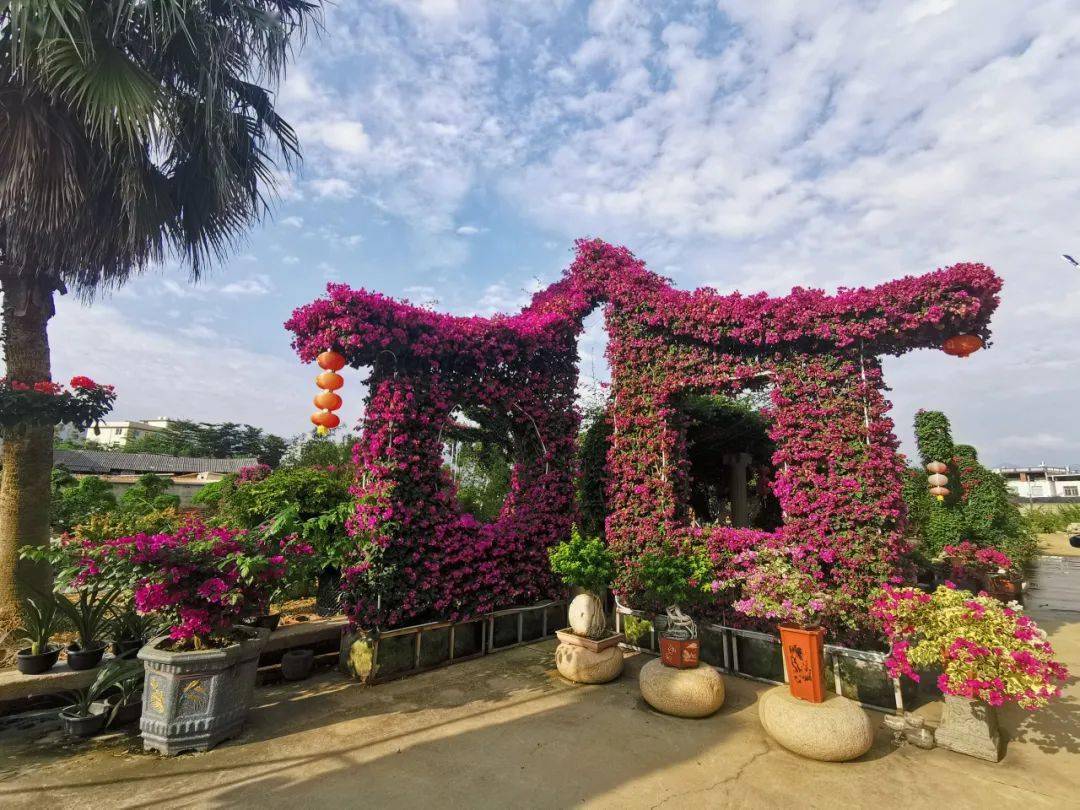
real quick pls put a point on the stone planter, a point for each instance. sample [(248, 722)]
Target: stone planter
[(568, 636), (696, 692), (969, 727), (194, 700)]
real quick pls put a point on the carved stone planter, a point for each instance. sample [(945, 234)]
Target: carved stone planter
[(969, 727), (194, 700)]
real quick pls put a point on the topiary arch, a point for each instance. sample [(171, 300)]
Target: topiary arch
[(838, 473)]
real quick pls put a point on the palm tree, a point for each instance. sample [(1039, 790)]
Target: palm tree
[(130, 130)]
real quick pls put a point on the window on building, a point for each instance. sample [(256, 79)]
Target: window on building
[(1072, 492)]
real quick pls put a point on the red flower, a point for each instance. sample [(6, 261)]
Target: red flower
[(79, 382)]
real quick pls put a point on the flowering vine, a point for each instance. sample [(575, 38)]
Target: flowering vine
[(82, 403), (837, 471)]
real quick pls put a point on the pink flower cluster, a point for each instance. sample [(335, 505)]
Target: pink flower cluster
[(838, 474), (966, 558), (256, 472)]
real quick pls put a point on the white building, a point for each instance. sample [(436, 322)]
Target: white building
[(1042, 482), (118, 433)]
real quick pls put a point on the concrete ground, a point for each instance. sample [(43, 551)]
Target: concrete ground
[(506, 731)]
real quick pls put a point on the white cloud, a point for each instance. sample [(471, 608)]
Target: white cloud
[(254, 285), (470, 230), (291, 260), (293, 222), (334, 188)]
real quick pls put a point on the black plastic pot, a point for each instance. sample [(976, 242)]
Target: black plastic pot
[(328, 592), (29, 664), (127, 647), (268, 620), (78, 658), (127, 713), (85, 725), (296, 664)]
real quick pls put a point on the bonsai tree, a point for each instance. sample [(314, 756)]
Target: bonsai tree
[(977, 508), (586, 563)]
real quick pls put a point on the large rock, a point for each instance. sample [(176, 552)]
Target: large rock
[(969, 727), (585, 666), (586, 616), (681, 692), (835, 730)]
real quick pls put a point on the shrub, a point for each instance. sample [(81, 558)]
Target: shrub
[(772, 587), (583, 562), (1055, 518), (987, 651), (75, 500)]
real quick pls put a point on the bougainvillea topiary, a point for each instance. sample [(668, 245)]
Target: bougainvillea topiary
[(838, 475)]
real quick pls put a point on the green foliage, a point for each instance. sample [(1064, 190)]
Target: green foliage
[(74, 500), (593, 444), (118, 676), (99, 528), (978, 508), (1052, 517), (583, 562), (89, 614), (148, 494), (636, 629), (208, 440), (933, 436), (320, 451), (667, 577), (482, 471), (40, 621)]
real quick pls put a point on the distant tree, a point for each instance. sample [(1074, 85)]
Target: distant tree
[(148, 494), (75, 500), (208, 440), (320, 451)]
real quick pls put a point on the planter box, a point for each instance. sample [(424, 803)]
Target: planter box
[(194, 700), (567, 636), (377, 657)]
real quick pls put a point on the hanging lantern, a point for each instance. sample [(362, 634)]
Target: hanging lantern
[(962, 345), (329, 381), (939, 492), (327, 401), (936, 467), (937, 480), (331, 360)]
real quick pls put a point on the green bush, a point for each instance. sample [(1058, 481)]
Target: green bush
[(583, 562), (1052, 517), (593, 446), (75, 500)]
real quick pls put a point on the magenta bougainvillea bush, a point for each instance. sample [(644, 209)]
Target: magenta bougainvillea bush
[(837, 471)]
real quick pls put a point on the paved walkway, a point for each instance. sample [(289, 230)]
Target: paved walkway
[(505, 731)]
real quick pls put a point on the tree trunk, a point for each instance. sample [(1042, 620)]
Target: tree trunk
[(27, 454)]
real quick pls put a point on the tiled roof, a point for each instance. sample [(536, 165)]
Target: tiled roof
[(103, 462)]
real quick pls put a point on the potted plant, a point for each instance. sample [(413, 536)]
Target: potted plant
[(41, 620), (88, 616), (124, 698), (774, 588), (200, 582), (988, 654), (974, 567), (586, 564), (87, 714), (130, 631), (273, 539), (670, 579)]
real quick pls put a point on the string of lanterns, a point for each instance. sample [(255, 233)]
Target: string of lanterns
[(327, 400), (937, 479), (962, 345)]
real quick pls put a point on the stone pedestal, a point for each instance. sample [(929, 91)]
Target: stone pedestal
[(682, 692), (969, 727), (582, 665), (835, 730)]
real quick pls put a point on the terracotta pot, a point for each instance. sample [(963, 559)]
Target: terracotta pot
[(679, 653), (1003, 587), (804, 658)]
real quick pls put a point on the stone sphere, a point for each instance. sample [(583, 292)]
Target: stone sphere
[(681, 692), (580, 665), (835, 730), (586, 614)]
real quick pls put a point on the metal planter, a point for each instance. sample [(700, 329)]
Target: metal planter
[(194, 700)]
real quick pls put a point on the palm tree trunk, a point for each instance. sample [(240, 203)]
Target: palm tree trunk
[(27, 454)]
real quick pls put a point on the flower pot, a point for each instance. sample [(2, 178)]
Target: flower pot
[(567, 636), (127, 647), (1004, 588), (79, 659), (29, 664), (83, 725), (268, 620), (804, 658), (328, 592), (194, 700), (296, 664), (969, 727), (127, 713), (680, 653)]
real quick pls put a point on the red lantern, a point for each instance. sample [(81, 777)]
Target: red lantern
[(325, 419), (937, 480), (327, 401), (329, 381), (962, 345), (936, 467), (331, 360), (939, 492)]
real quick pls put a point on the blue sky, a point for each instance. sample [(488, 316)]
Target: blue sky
[(455, 148)]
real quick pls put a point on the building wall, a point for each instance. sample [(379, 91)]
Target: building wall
[(118, 434)]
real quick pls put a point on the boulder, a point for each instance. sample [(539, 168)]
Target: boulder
[(582, 665), (586, 616), (834, 730), (695, 692)]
